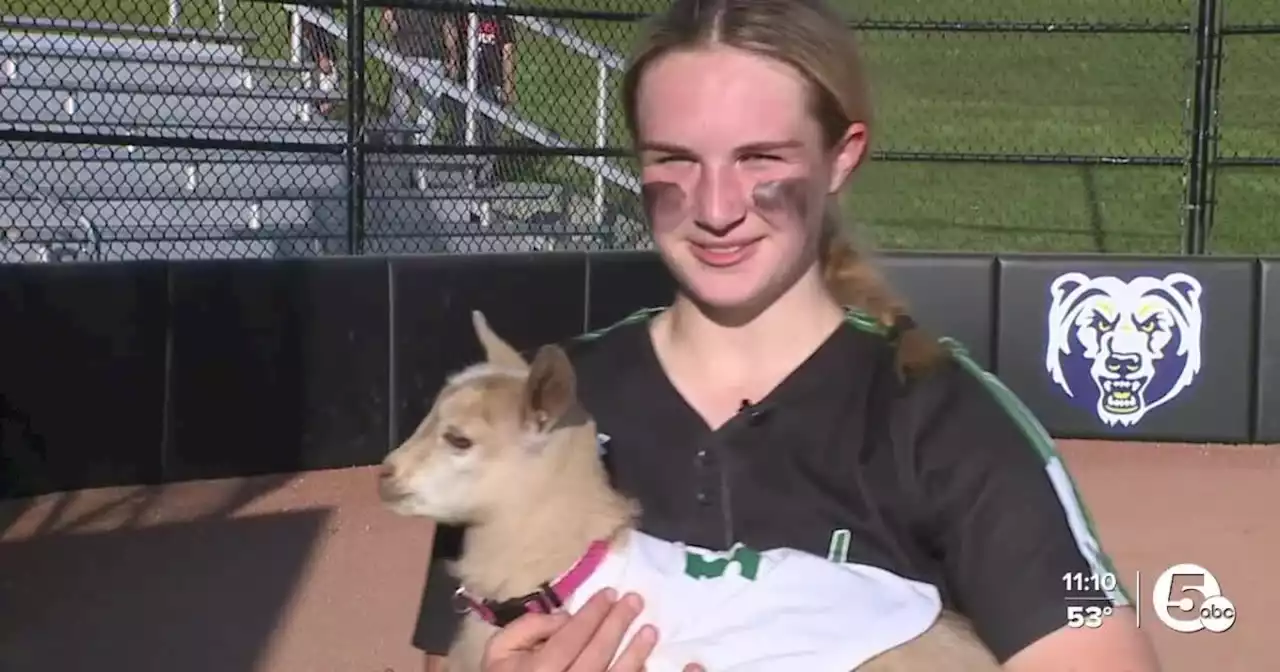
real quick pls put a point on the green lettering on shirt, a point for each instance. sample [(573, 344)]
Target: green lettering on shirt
[(838, 551), (712, 565)]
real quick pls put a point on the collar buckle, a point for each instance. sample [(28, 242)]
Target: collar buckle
[(544, 600), (462, 603)]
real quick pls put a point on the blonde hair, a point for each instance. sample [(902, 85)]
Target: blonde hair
[(812, 38)]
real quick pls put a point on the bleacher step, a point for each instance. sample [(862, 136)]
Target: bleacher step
[(80, 164), (102, 191), (69, 251), (248, 110), (83, 74), (186, 90), (52, 214), (222, 234), (87, 177), (67, 151), (90, 46), (315, 133), (73, 249), (81, 27)]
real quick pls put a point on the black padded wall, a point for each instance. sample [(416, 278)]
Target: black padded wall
[(130, 373)]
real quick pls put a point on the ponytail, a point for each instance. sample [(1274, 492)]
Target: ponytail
[(854, 281)]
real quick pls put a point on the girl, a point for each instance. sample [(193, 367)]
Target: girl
[(757, 408)]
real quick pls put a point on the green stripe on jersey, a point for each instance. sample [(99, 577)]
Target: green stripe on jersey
[(1078, 518)]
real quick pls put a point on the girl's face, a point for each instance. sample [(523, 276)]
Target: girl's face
[(736, 173)]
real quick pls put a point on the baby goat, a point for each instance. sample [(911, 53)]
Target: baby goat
[(508, 452)]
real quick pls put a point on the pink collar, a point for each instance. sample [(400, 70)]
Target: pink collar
[(549, 597)]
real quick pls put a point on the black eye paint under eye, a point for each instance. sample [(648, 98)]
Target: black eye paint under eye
[(786, 197), (662, 200)]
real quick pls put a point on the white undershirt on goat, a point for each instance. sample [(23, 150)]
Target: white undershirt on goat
[(773, 611)]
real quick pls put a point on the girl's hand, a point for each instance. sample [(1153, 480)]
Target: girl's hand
[(583, 642)]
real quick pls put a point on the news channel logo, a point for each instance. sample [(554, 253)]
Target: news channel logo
[(1176, 605)]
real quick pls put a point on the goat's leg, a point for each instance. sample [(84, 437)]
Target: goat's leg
[(949, 644)]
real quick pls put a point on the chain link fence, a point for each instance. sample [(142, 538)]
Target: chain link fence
[(1246, 183), (135, 129)]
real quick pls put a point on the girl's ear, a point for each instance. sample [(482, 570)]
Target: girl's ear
[(847, 155)]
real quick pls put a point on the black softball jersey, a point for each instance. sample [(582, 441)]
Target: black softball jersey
[(945, 479)]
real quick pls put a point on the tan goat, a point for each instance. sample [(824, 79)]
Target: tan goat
[(508, 452)]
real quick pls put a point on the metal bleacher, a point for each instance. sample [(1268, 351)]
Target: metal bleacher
[(80, 201)]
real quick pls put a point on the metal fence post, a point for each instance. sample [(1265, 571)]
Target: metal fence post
[(356, 102), (225, 10), (602, 139), (295, 42), (1199, 204), (473, 75)]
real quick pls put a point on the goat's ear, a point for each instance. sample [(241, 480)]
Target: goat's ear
[(496, 350), (551, 390)]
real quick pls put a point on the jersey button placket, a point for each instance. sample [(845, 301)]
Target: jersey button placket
[(709, 478), (706, 475)]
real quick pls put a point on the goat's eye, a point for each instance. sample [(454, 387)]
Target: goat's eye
[(457, 440)]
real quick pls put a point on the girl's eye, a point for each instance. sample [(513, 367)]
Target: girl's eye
[(671, 159), (761, 157)]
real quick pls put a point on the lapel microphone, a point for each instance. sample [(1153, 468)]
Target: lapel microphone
[(756, 414)]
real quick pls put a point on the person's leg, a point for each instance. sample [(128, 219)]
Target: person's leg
[(428, 119), (489, 132), (423, 115), (401, 102), (452, 120), (429, 115), (450, 112), (490, 129), (328, 82)]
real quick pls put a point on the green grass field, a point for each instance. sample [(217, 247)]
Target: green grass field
[(1115, 95)]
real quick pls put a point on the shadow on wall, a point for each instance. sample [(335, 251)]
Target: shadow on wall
[(198, 596), (85, 579), (21, 451), (122, 378)]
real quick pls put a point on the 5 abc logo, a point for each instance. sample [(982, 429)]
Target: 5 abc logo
[(1178, 611)]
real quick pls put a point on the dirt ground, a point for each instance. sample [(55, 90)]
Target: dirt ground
[(307, 572)]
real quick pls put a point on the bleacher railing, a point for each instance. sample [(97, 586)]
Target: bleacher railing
[(477, 104)]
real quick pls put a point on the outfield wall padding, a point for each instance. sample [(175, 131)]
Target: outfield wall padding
[(1175, 366), (150, 372), (1267, 404)]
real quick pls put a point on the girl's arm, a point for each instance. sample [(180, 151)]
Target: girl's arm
[(1017, 547)]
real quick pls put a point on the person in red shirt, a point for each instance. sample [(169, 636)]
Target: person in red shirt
[(495, 68)]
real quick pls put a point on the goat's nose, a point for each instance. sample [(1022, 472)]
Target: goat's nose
[(388, 489)]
